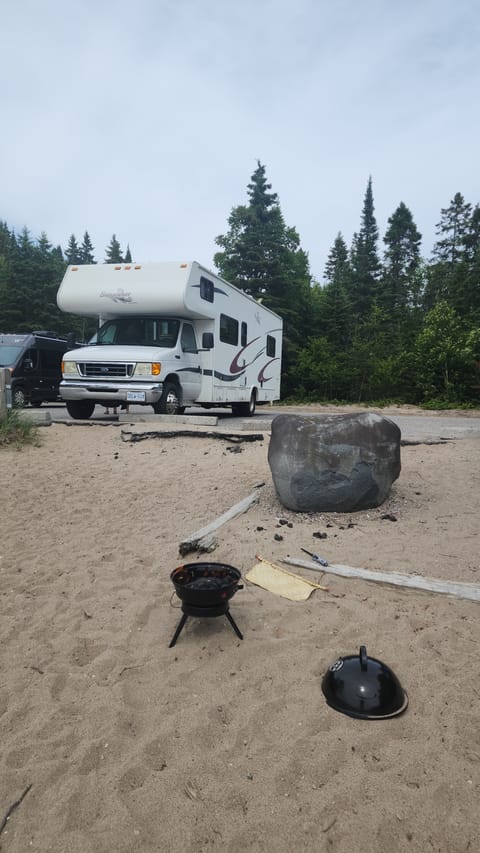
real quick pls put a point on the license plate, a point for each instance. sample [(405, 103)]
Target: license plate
[(136, 396)]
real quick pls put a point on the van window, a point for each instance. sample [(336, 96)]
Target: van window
[(9, 355), (228, 330), (31, 355), (50, 360), (206, 289), (271, 345)]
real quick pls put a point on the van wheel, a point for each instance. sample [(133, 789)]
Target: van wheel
[(169, 402), (245, 410), (80, 409), (18, 398)]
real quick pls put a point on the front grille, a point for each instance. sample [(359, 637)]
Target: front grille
[(105, 370)]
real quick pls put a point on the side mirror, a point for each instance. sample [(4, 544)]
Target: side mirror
[(28, 364), (207, 340)]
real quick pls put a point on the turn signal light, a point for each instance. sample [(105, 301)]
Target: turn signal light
[(156, 368)]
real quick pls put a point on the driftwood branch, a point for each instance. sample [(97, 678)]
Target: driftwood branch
[(456, 588), (235, 438), (13, 807), (192, 542)]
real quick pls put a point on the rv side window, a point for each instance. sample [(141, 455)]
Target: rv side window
[(243, 335), (228, 330), (270, 345), (206, 289)]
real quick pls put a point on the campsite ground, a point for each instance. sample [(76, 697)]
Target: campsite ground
[(219, 744)]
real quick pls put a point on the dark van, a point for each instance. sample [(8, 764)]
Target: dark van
[(34, 361)]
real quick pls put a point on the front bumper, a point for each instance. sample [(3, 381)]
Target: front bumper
[(111, 392)]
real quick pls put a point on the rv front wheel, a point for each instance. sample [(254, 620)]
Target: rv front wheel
[(80, 410), (169, 402), (245, 410)]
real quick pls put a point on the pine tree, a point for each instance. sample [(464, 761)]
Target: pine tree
[(113, 253), (450, 263), (128, 255), (86, 250), (72, 252), (452, 229), (263, 257), (364, 259), (401, 262), (335, 306)]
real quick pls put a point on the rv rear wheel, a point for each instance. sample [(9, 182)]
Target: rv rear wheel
[(245, 410), (80, 410), (169, 402)]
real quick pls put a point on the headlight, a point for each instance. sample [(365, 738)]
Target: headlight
[(148, 369), (69, 367)]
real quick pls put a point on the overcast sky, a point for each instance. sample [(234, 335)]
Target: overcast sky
[(146, 119)]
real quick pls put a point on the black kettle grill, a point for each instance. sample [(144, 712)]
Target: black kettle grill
[(363, 687), (205, 590)]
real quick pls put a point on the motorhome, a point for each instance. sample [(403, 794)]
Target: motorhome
[(34, 363), (170, 335)]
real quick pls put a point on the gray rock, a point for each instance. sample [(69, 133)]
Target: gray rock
[(334, 463)]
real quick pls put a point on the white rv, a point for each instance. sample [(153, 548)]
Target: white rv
[(171, 335)]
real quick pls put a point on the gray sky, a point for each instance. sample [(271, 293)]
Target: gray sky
[(146, 119)]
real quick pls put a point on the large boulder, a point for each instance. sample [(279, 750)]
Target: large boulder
[(333, 463)]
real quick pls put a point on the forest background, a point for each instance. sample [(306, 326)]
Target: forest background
[(384, 325)]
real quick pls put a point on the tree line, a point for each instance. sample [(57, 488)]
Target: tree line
[(384, 324)]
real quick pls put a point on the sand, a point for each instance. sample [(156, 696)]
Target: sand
[(219, 744)]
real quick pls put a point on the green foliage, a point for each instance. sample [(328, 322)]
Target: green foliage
[(263, 257), (404, 329), (113, 253), (17, 431), (444, 356)]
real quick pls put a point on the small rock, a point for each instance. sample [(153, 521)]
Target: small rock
[(278, 538), (388, 516), (319, 535)]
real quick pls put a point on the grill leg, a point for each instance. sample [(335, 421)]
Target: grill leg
[(233, 624), (179, 629)]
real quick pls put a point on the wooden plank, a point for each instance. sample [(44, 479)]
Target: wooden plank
[(191, 542), (235, 438), (458, 589)]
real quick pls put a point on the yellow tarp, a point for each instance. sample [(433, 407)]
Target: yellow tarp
[(281, 582)]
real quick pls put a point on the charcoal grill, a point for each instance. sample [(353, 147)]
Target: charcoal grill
[(205, 590)]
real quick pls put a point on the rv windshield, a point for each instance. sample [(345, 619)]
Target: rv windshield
[(138, 331), (9, 355)]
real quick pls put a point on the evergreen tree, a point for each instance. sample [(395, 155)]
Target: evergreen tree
[(263, 257), (335, 307), (452, 230), (401, 263), (86, 250), (72, 252), (450, 264), (128, 255), (113, 253), (364, 259)]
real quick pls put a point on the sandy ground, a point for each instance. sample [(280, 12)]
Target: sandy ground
[(218, 744)]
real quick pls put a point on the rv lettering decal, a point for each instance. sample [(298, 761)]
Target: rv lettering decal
[(119, 295)]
